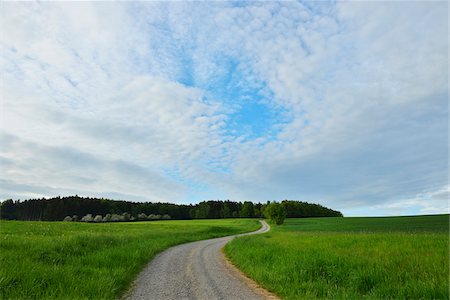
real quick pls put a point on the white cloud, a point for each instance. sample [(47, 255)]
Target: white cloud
[(64, 168), (369, 114), (431, 202), (133, 86)]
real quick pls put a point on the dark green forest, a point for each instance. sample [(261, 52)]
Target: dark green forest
[(57, 208)]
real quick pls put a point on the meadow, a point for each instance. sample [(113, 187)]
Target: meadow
[(350, 258), (67, 260)]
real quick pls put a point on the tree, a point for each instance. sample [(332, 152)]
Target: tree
[(226, 212), (247, 210), (275, 212), (8, 210), (202, 211), (58, 208)]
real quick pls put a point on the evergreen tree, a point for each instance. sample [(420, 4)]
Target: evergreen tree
[(56, 209), (8, 210), (247, 210)]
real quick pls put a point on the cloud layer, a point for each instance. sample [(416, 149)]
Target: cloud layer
[(345, 104)]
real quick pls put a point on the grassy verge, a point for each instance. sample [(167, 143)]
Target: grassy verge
[(91, 261), (351, 258)]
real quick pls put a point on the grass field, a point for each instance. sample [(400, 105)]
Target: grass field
[(91, 261), (351, 258)]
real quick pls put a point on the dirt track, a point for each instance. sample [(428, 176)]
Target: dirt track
[(194, 270)]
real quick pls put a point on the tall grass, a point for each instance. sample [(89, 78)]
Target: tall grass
[(309, 258), (90, 261)]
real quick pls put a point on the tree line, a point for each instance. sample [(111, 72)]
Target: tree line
[(57, 208)]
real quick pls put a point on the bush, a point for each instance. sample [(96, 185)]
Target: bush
[(275, 212), (68, 219), (107, 218), (142, 217), (87, 218), (75, 218), (98, 219), (166, 217), (126, 216), (116, 218), (154, 217)]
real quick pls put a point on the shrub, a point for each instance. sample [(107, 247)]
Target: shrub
[(275, 212), (98, 219), (75, 218), (142, 216), (116, 218), (68, 219), (166, 217), (107, 218), (153, 217), (126, 216), (87, 218)]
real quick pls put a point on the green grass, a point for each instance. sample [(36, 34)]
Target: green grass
[(436, 223), (91, 261), (350, 258)]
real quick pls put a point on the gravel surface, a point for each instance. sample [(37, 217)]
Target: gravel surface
[(194, 270)]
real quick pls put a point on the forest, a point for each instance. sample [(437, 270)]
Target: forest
[(57, 208)]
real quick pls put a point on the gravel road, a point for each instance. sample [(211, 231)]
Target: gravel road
[(196, 270)]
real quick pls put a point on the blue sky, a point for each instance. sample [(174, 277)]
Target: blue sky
[(339, 103)]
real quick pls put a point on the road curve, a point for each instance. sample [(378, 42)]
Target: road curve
[(194, 270)]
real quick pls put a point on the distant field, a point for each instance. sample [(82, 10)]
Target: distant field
[(352, 258), (436, 223), (91, 261)]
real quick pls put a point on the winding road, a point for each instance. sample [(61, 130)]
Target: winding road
[(196, 270)]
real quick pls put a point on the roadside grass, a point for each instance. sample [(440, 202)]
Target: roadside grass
[(48, 260), (349, 258)]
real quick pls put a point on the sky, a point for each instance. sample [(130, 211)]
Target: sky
[(339, 103)]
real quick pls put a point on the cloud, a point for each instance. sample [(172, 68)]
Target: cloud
[(360, 135), (42, 169), (339, 103), (431, 202)]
